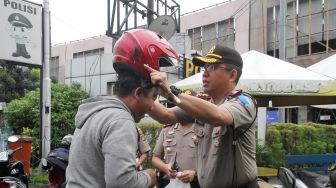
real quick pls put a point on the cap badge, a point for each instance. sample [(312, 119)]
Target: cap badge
[(211, 51)]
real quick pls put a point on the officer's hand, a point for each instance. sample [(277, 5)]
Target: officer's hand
[(152, 176), (187, 176), (159, 78), (170, 172), (137, 165)]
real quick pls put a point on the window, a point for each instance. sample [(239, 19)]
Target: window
[(93, 52), (203, 38), (310, 28)]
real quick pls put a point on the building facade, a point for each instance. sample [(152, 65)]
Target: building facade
[(241, 24), (254, 25)]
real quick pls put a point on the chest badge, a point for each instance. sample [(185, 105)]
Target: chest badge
[(194, 139), (200, 132), (216, 143)]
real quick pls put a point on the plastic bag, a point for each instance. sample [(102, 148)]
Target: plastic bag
[(175, 183)]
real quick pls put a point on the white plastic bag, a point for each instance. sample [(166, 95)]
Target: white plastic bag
[(175, 183)]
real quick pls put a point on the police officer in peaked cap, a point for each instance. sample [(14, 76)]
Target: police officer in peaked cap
[(20, 25)]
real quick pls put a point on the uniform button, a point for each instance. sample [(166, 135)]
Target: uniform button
[(202, 176), (204, 156)]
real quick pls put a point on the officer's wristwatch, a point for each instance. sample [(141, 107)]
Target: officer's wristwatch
[(176, 91), (172, 95)]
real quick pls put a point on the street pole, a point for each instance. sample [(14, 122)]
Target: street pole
[(282, 42), (282, 45), (46, 109)]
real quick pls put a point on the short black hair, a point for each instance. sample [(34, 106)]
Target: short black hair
[(128, 81)]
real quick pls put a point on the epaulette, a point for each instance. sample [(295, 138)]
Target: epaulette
[(141, 134), (240, 95), (235, 93), (167, 125)]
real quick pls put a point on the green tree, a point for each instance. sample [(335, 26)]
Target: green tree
[(15, 81), (25, 112)]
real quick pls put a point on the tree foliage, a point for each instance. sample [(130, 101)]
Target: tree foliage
[(25, 112), (295, 139), (15, 81)]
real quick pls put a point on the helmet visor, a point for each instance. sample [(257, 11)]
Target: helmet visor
[(168, 64), (166, 61)]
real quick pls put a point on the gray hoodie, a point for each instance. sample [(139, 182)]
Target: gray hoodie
[(104, 147)]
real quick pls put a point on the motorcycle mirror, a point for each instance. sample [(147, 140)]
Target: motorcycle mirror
[(13, 139)]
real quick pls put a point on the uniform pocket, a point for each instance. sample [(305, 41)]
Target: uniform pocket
[(169, 146), (169, 142), (192, 149), (220, 143)]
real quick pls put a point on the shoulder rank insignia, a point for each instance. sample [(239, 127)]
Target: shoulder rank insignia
[(167, 125), (141, 134), (240, 96)]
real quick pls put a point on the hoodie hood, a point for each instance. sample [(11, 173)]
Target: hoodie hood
[(93, 105)]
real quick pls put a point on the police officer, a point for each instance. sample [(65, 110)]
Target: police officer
[(176, 144), (143, 150), (225, 126), (20, 26)]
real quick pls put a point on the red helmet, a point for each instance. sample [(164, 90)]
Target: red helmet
[(140, 46)]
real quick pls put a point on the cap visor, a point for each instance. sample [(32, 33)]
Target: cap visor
[(200, 61)]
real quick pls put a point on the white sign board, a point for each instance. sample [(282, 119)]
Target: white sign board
[(21, 31)]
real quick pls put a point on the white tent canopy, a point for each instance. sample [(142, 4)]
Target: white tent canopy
[(264, 74), (267, 76), (326, 67)]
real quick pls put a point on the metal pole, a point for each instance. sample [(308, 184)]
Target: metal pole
[(282, 42), (282, 46), (150, 4), (46, 110)]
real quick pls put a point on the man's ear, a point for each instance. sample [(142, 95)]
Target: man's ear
[(138, 92), (233, 75)]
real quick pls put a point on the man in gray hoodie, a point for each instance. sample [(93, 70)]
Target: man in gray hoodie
[(104, 146)]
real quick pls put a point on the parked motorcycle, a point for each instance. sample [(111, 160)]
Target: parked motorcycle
[(289, 180), (12, 171), (312, 179), (56, 163), (304, 179)]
